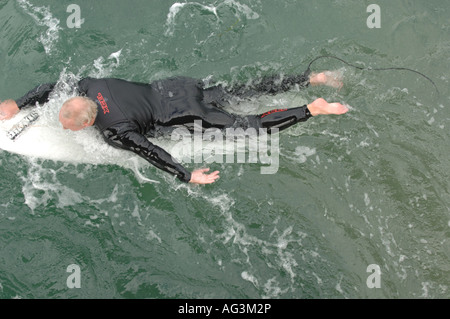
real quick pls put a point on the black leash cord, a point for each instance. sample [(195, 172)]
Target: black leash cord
[(308, 70)]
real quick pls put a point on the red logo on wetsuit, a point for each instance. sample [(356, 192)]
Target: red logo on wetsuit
[(103, 103), (273, 111)]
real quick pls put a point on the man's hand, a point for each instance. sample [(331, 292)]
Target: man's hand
[(8, 109), (200, 177)]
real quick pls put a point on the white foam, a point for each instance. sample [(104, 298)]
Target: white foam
[(43, 17), (241, 9), (152, 235), (319, 280), (366, 199), (111, 199), (338, 286), (238, 235), (41, 185), (425, 287), (302, 153), (176, 8), (246, 276), (104, 67), (272, 289)]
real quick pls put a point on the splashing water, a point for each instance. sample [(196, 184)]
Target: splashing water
[(44, 18)]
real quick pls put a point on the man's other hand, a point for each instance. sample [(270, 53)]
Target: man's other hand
[(200, 177), (8, 109)]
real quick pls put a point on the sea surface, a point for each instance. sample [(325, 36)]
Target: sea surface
[(359, 206)]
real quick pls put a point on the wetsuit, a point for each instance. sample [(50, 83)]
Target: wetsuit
[(129, 112)]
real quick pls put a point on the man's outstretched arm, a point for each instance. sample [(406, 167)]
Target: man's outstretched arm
[(39, 94), (125, 136)]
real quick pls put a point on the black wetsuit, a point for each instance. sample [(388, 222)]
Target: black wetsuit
[(129, 112)]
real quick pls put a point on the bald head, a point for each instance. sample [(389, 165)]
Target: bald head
[(77, 113)]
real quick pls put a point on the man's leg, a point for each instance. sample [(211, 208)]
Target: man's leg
[(220, 96), (279, 84), (269, 85), (275, 119), (284, 118)]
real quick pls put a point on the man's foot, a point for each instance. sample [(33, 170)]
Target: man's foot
[(329, 78), (322, 107)]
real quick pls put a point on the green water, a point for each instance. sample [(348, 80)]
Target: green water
[(369, 187)]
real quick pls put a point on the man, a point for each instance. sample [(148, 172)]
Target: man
[(126, 112)]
